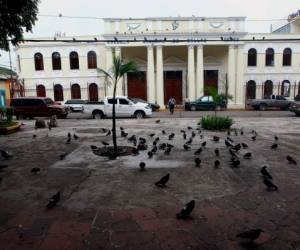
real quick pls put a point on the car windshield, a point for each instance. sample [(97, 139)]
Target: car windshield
[(48, 101)]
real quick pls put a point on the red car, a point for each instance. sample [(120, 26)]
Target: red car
[(37, 107)]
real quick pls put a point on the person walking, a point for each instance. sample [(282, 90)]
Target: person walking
[(171, 104)]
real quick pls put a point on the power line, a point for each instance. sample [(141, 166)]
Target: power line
[(102, 18)]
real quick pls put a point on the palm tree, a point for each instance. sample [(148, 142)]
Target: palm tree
[(118, 69)]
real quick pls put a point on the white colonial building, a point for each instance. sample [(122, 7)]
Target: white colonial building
[(177, 57)]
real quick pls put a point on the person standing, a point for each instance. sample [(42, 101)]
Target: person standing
[(171, 104)]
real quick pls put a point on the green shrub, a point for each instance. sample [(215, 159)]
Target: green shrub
[(216, 122), (9, 114)]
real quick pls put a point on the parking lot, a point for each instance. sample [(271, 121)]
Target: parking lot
[(111, 204)]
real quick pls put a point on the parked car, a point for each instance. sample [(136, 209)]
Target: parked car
[(295, 107), (275, 101), (37, 106), (75, 105), (154, 106), (124, 108), (297, 98), (205, 103)]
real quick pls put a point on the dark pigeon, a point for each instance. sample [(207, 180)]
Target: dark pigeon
[(197, 162), (270, 185), (250, 235), (186, 211), (163, 181), (291, 160), (265, 172)]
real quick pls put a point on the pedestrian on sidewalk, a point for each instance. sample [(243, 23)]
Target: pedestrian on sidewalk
[(171, 104)]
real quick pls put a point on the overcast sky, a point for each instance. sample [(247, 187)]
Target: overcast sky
[(252, 9)]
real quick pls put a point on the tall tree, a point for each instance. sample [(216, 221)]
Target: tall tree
[(113, 75), (16, 16)]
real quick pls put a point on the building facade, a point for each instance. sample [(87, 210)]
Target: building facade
[(178, 57)]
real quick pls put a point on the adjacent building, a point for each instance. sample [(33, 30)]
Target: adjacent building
[(177, 56)]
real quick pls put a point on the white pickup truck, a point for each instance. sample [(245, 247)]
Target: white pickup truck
[(124, 108)]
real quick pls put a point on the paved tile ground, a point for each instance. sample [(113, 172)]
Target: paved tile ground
[(112, 205)]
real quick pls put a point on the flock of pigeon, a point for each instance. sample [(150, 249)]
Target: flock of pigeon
[(140, 144)]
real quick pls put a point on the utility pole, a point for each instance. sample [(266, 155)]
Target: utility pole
[(11, 75)]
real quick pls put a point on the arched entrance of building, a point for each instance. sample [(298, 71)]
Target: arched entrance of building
[(268, 89), (93, 92)]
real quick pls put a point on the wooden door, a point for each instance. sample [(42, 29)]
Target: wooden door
[(210, 80), (173, 86), (137, 85), (93, 92)]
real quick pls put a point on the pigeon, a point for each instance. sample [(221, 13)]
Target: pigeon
[(228, 132), (5, 154), (151, 135), (53, 200), (93, 147), (157, 121), (68, 140), (150, 154), (217, 152), (186, 211), (163, 181), (248, 155), (162, 146), (228, 143), (242, 132), (69, 135), (135, 151), (217, 163), (216, 138), (265, 172), (291, 160), (154, 143), (142, 140), (253, 138), (197, 162), (250, 235), (189, 141), (171, 136), (62, 156), (142, 166), (270, 185), (182, 131), (237, 147), (121, 128), (184, 136), (163, 132), (198, 151), (154, 149), (203, 144), (193, 134), (244, 145), (34, 136), (108, 133), (186, 147), (123, 134), (105, 143), (276, 138), (156, 139), (168, 151), (35, 170), (235, 162), (76, 137), (274, 146), (189, 128)]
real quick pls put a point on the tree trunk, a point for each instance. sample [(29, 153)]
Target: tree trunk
[(114, 133)]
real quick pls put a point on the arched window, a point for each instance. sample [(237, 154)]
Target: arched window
[(92, 60), (75, 91), (56, 61), (287, 57), (74, 60), (251, 90), (268, 89), (269, 57), (93, 92), (58, 93), (285, 88), (252, 57), (40, 91), (38, 61)]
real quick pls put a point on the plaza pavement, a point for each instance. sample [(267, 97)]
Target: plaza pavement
[(112, 205)]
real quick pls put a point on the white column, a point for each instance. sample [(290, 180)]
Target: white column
[(159, 76), (109, 62), (231, 74), (199, 72), (191, 73), (150, 75), (119, 90), (240, 81)]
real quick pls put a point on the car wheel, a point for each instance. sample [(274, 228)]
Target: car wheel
[(262, 107), (139, 115), (97, 115), (193, 108)]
